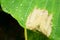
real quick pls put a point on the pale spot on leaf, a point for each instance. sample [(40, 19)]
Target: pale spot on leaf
[(41, 18)]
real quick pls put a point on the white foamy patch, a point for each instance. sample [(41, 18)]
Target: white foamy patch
[(40, 20)]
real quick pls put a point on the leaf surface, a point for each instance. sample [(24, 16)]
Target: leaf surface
[(20, 10)]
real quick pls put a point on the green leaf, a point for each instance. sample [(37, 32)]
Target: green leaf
[(20, 10), (31, 35)]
